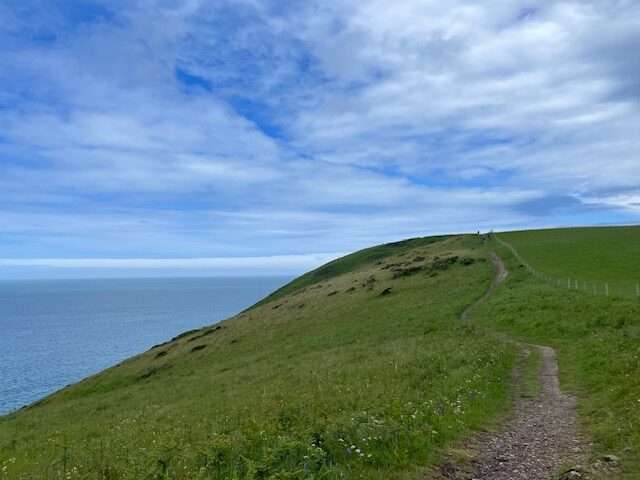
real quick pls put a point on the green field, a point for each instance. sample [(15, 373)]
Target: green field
[(591, 256), (360, 369), (330, 379)]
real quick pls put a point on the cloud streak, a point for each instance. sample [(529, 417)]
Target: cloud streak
[(275, 262)]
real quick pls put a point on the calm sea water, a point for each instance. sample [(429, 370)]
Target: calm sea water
[(53, 333)]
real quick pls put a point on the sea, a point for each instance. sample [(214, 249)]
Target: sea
[(54, 333)]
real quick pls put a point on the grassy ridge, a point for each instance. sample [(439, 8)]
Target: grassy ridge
[(597, 339), (341, 379), (589, 255), (351, 263)]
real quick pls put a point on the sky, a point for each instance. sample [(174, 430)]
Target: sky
[(184, 137)]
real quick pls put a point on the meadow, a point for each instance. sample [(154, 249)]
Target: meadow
[(364, 372)]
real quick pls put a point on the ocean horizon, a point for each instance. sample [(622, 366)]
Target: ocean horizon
[(57, 332)]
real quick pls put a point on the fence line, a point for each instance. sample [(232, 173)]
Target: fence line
[(571, 283)]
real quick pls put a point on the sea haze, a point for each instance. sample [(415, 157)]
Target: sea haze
[(53, 333)]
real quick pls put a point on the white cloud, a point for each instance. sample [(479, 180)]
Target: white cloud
[(275, 262), (627, 201), (480, 70)]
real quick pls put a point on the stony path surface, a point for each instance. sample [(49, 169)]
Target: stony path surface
[(540, 440)]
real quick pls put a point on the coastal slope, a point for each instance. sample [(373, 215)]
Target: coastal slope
[(360, 369), (374, 366)]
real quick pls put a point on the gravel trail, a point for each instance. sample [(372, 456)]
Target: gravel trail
[(540, 439)]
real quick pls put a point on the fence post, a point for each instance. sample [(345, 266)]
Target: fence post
[(606, 288), (569, 283), (577, 287), (638, 290)]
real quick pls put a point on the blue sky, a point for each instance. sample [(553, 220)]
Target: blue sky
[(157, 137)]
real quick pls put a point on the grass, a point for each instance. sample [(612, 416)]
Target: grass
[(592, 256), (328, 379), (597, 340)]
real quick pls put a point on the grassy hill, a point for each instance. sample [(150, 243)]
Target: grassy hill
[(360, 369), (350, 263)]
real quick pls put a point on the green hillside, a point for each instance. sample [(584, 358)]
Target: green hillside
[(592, 256), (358, 370)]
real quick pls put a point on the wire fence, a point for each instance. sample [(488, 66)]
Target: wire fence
[(594, 287)]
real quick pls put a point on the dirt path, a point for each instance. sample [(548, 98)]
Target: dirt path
[(541, 437), (540, 440), (499, 277)]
